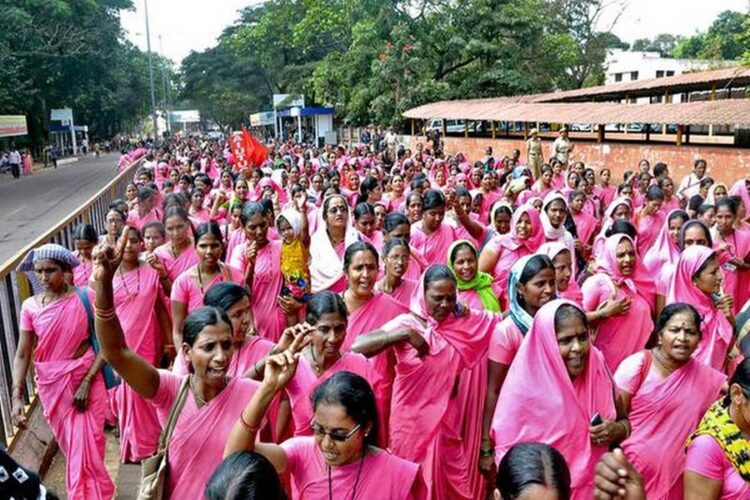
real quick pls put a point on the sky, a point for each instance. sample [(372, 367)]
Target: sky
[(186, 25)]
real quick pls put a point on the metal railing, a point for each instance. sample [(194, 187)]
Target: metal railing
[(15, 288)]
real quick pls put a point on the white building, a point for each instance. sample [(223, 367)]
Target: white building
[(627, 66)]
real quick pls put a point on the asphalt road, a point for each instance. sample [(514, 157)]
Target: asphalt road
[(31, 205)]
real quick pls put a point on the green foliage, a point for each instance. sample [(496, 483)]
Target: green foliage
[(663, 43), (726, 38), (58, 53)]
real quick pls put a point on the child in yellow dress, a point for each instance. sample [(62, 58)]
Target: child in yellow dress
[(295, 251)]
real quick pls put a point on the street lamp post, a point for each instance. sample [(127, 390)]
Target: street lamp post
[(151, 73), (166, 87)]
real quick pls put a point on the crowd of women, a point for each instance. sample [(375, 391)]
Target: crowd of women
[(334, 326)]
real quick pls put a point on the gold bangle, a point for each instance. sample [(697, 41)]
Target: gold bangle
[(249, 428), (105, 314)]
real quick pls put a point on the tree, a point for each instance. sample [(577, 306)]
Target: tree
[(726, 39), (663, 43)]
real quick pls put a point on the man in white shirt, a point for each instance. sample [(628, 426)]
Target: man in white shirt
[(690, 185), (14, 160)]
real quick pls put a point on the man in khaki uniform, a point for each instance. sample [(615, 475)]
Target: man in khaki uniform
[(534, 154), (562, 147)]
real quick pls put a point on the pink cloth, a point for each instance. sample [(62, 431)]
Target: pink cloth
[(135, 295), (82, 272), (540, 380), (511, 248), (705, 457), (573, 292), (620, 336), (606, 194), (607, 221), (585, 226), (417, 265), (736, 280), (405, 292), (383, 476), (717, 331), (185, 288), (426, 419), (135, 220), (668, 410), (302, 386), (197, 444), (663, 251), (234, 238), (60, 328), (649, 228), (505, 342), (176, 265), (433, 247), (267, 283)]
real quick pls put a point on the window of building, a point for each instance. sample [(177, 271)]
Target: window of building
[(618, 77), (670, 73), (633, 75), (659, 73)]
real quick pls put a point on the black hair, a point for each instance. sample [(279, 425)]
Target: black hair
[(356, 396), (199, 319), (546, 167), (728, 203), (417, 181), (224, 295), (741, 377), (267, 205), (701, 210), (363, 209), (534, 266), (438, 272), (175, 199), (412, 195), (365, 188), (699, 161), (187, 178), (566, 311), (462, 192), (85, 232), (356, 247), (211, 228), (433, 198), (621, 187), (528, 464), (660, 168), (654, 193), (144, 193), (706, 182), (324, 302), (393, 243), (622, 227), (687, 225), (678, 214), (666, 314), (167, 184), (251, 209), (695, 201)]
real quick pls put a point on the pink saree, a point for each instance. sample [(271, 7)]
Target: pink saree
[(267, 282), (197, 444), (433, 247), (404, 293), (539, 380), (176, 265), (718, 337), (664, 410), (663, 252), (382, 476), (648, 230), (618, 337), (135, 294), (60, 328), (429, 423), (187, 291)]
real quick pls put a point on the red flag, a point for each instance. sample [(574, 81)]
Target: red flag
[(239, 150), (256, 152)]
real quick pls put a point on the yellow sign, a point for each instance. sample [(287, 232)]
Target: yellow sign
[(13, 125)]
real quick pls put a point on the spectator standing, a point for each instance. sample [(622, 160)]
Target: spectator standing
[(14, 160)]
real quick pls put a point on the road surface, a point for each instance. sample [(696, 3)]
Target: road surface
[(31, 205)]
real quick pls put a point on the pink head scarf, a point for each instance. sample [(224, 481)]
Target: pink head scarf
[(540, 403), (663, 250), (511, 241), (682, 289), (739, 188), (638, 282)]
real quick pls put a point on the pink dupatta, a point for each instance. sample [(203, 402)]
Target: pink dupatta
[(433, 247), (540, 403), (717, 331), (664, 251)]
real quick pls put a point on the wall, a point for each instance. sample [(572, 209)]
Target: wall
[(725, 164)]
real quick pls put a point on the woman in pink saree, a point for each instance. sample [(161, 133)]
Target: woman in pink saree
[(259, 260), (562, 260), (604, 190), (556, 392), (586, 224), (328, 244), (434, 344), (697, 281), (340, 459), (499, 254), (84, 241), (432, 235), (734, 247), (620, 209), (665, 392), (397, 225), (178, 255), (54, 330), (619, 279), (649, 219), (396, 258), (213, 399), (665, 250), (147, 329)]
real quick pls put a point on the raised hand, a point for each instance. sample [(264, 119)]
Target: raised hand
[(290, 334), (107, 259), (616, 478)]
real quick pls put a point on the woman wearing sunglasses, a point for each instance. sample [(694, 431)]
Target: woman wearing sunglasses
[(340, 459)]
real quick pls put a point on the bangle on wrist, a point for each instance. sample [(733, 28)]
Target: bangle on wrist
[(249, 428)]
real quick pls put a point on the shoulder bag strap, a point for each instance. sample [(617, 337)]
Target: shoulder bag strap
[(174, 413)]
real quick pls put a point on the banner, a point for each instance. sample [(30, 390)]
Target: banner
[(13, 125), (239, 150)]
